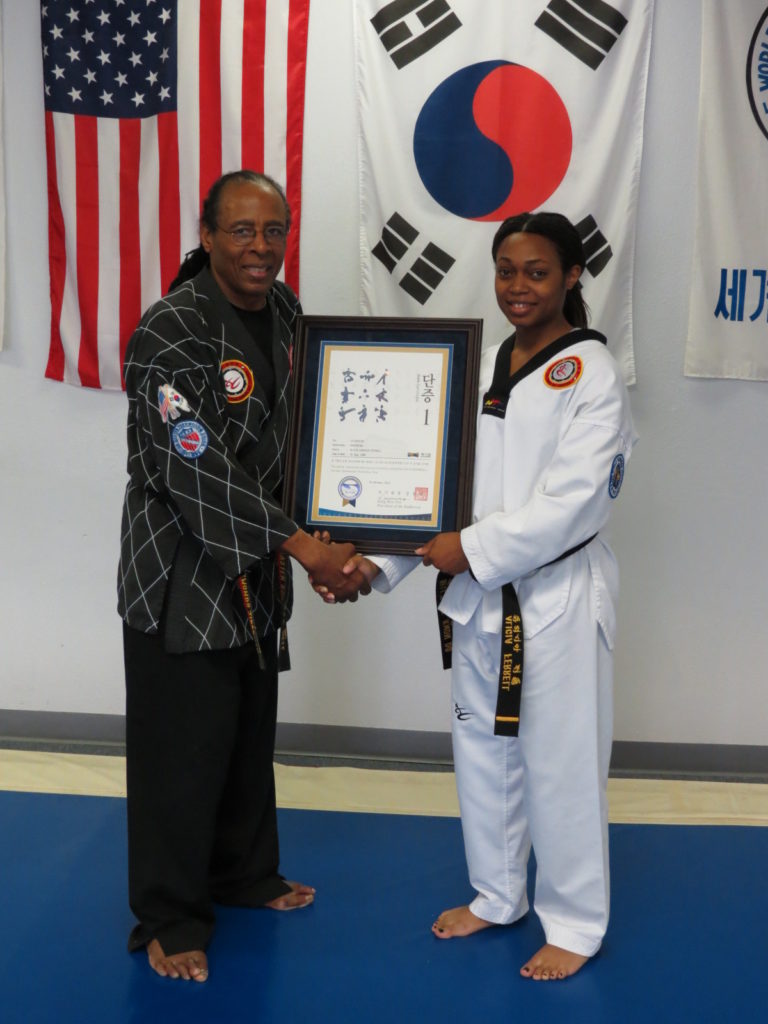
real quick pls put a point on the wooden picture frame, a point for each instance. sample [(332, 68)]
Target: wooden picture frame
[(382, 440)]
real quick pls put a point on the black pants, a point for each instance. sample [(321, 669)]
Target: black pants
[(202, 826)]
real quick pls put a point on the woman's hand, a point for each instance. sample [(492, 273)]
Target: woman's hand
[(445, 552)]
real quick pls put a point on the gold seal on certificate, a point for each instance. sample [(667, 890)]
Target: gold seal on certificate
[(382, 438), (350, 489)]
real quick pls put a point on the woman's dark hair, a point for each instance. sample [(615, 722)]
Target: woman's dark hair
[(566, 239), (196, 259)]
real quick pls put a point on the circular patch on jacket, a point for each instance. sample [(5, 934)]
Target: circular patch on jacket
[(617, 475), (563, 373), (238, 380), (190, 439)]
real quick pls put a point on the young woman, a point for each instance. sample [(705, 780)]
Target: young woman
[(532, 607)]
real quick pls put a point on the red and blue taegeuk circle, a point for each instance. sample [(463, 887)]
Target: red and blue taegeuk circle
[(492, 140)]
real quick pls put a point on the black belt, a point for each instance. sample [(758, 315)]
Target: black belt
[(507, 719), (283, 654)]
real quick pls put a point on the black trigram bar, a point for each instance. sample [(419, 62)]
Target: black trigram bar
[(397, 236), (427, 273), (596, 248), (436, 17), (588, 36)]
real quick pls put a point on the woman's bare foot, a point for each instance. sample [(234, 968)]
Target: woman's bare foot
[(299, 896), (552, 963), (456, 923), (191, 966)]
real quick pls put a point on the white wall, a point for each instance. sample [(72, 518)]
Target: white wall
[(688, 528)]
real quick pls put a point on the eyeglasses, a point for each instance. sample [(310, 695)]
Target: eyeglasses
[(242, 236)]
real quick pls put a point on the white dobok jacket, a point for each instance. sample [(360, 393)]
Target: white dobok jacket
[(549, 462)]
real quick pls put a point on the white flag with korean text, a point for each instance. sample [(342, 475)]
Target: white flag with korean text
[(2, 212), (727, 335), (469, 113)]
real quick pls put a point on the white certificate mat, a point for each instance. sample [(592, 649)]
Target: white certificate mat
[(380, 434)]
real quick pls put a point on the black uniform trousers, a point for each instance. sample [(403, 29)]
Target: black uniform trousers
[(202, 824)]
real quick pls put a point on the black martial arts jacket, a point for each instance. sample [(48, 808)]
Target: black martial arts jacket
[(206, 458)]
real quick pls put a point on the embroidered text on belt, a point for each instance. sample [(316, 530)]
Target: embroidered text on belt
[(507, 718), (283, 654)]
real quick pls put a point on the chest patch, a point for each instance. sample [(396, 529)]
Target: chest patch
[(171, 402), (238, 380), (492, 405), (190, 439), (563, 373), (617, 475)]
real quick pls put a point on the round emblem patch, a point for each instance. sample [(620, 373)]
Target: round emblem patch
[(190, 439), (350, 489), (617, 475), (564, 372), (757, 63), (238, 380)]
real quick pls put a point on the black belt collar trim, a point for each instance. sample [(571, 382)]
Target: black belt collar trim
[(496, 398)]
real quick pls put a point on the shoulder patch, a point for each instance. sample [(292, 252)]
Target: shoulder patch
[(238, 380), (171, 402), (190, 439), (563, 373), (616, 476)]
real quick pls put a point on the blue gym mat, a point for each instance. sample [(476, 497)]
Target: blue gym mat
[(686, 942)]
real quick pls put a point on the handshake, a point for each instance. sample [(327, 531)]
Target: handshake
[(357, 573), (338, 573)]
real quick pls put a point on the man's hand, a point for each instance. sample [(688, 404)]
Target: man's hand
[(332, 569), (444, 552), (360, 572), (327, 568)]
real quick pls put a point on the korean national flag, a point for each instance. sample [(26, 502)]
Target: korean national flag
[(470, 113)]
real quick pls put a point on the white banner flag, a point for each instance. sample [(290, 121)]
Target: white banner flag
[(2, 213), (727, 334), (472, 112)]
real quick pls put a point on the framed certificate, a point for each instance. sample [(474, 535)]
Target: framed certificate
[(381, 448)]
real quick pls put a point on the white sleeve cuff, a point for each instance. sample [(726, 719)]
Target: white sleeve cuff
[(393, 568)]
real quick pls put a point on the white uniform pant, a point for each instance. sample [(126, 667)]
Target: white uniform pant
[(545, 787)]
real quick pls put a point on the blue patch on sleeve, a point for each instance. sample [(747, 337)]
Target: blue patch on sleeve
[(190, 439), (617, 476)]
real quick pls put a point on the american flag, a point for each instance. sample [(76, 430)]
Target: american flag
[(147, 102)]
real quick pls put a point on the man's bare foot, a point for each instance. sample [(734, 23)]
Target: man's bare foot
[(456, 923), (299, 896), (552, 963), (191, 966)]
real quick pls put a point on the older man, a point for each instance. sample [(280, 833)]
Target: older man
[(204, 579)]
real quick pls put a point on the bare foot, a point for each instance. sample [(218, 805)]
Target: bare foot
[(552, 963), (456, 923), (299, 896), (192, 965)]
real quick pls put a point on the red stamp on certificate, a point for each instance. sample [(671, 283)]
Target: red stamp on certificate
[(420, 493)]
